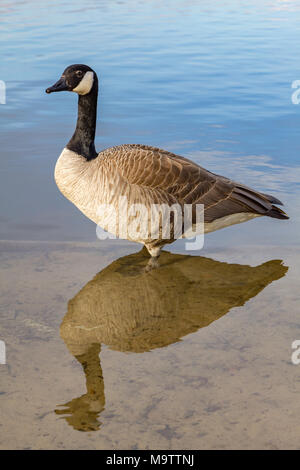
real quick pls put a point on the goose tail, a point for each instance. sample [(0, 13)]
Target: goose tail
[(260, 203), (272, 199), (277, 213)]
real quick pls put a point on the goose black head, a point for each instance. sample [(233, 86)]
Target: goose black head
[(78, 78)]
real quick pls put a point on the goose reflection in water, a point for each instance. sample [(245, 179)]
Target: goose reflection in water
[(130, 309)]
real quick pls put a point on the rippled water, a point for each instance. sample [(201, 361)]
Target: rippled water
[(208, 80)]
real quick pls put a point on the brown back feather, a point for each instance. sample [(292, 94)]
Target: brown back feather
[(166, 177)]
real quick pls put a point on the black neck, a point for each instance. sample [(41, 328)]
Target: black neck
[(83, 138)]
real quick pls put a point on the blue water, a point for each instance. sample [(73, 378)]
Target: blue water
[(208, 80)]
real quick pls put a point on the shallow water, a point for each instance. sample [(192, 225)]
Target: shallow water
[(196, 354)]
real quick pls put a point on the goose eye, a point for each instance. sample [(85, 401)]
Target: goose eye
[(79, 73)]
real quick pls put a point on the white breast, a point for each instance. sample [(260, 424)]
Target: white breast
[(85, 184)]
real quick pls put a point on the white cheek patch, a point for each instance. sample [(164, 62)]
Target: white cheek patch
[(85, 85)]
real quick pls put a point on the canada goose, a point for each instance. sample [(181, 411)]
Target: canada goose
[(143, 175), (119, 309)]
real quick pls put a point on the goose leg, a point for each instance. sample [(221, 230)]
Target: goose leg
[(154, 250), (153, 263)]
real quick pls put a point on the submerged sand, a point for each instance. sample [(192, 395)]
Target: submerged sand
[(104, 355)]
